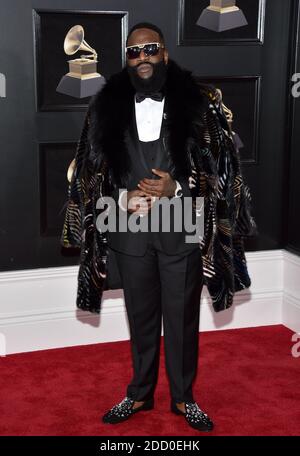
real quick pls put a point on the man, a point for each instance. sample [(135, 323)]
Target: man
[(154, 132)]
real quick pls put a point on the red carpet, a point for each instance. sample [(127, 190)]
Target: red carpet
[(248, 382)]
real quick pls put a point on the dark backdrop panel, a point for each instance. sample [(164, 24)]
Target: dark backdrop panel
[(36, 146), (292, 214), (51, 28), (54, 161), (242, 96), (192, 34)]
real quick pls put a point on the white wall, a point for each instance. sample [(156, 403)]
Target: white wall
[(38, 310)]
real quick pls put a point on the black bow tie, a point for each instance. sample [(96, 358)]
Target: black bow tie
[(140, 96)]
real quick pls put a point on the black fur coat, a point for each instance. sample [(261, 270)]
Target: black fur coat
[(202, 148)]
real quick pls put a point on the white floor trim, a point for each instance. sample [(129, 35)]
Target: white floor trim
[(291, 292), (38, 308)]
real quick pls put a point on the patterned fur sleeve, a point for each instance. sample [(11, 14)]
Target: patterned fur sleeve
[(72, 227), (232, 185), (228, 214)]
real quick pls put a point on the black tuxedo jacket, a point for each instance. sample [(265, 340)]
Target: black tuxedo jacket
[(144, 156)]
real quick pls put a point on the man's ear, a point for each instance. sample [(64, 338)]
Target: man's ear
[(166, 56)]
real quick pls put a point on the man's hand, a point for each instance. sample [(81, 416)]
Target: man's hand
[(138, 201), (165, 186)]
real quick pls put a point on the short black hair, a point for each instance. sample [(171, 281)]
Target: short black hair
[(146, 25)]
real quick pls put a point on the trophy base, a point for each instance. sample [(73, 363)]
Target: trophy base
[(80, 88), (219, 22)]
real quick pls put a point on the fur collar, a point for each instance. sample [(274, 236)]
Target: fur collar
[(111, 111)]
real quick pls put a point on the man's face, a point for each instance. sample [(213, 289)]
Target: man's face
[(143, 63)]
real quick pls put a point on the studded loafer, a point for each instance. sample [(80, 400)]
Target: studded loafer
[(124, 410), (195, 417)]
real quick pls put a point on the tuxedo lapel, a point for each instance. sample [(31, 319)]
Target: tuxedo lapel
[(136, 143)]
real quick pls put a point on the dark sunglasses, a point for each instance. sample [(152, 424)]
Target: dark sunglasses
[(150, 49)]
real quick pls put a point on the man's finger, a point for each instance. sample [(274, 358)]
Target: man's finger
[(154, 182), (143, 193), (154, 192), (149, 187), (159, 172)]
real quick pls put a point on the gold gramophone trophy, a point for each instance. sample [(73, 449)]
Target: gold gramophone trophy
[(82, 80), (222, 15)]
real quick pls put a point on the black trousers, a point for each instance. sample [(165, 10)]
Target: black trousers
[(159, 286)]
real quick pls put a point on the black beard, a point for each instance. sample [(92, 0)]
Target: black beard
[(152, 84)]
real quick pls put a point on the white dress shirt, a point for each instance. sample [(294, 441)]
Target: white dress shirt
[(149, 114)]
